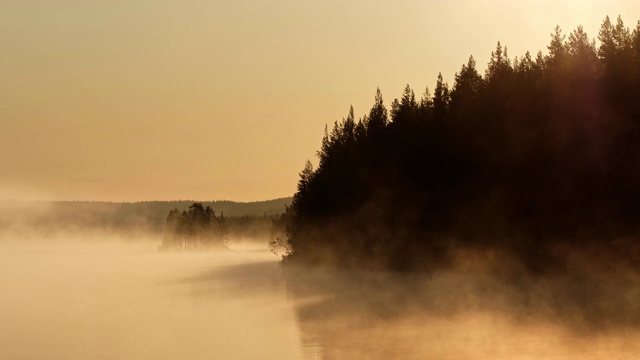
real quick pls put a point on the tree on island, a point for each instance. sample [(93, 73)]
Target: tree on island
[(197, 228), (539, 151)]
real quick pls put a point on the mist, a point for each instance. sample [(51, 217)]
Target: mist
[(81, 295), (474, 309), (81, 281), (494, 219), (109, 299)]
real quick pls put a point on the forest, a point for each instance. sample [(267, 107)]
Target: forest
[(538, 153)]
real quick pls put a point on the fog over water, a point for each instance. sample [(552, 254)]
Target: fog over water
[(113, 299), (102, 300)]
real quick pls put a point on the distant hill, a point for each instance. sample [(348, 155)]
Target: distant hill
[(147, 216)]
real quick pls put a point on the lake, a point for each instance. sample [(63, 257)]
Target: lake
[(126, 300)]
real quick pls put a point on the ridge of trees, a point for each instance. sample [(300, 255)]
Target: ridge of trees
[(148, 217), (538, 151)]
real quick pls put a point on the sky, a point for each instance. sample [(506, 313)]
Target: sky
[(134, 100)]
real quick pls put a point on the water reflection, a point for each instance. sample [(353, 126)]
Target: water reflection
[(254, 282), (466, 315), (128, 301)]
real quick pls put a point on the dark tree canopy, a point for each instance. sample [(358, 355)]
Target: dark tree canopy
[(197, 228), (536, 152)]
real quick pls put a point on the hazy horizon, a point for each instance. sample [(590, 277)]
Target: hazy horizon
[(9, 199), (163, 100)]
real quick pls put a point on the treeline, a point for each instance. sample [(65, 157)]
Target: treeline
[(196, 228), (147, 217), (541, 150)]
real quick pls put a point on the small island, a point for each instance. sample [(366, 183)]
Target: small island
[(196, 228)]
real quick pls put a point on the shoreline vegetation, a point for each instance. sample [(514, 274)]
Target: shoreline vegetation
[(536, 160)]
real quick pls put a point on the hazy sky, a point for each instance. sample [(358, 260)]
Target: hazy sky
[(128, 100)]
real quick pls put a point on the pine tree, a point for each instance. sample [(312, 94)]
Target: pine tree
[(440, 99), (378, 116)]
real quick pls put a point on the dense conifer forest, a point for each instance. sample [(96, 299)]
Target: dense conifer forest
[(541, 151)]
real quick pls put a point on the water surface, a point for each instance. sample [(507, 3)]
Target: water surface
[(130, 301), (126, 300)]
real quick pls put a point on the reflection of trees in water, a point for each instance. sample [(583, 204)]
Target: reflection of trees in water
[(588, 310)]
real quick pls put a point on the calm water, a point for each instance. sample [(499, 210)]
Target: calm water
[(112, 300)]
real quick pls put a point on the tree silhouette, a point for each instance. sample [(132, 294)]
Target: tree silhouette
[(537, 152), (197, 228)]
